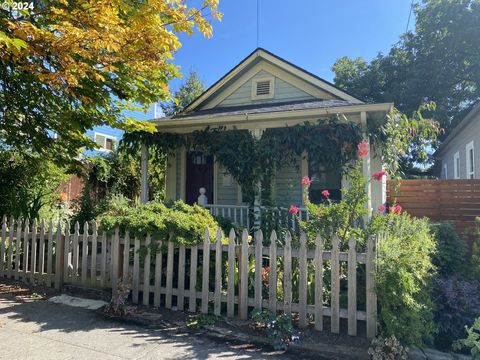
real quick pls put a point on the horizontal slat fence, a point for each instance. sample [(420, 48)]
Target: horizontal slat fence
[(225, 275), (457, 201)]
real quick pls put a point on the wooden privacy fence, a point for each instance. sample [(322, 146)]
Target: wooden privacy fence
[(227, 275), (457, 201)]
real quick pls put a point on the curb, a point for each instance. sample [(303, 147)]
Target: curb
[(323, 350), (415, 353)]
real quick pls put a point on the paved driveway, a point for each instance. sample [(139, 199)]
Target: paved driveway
[(44, 330)]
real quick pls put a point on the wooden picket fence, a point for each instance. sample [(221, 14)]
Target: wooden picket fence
[(227, 275)]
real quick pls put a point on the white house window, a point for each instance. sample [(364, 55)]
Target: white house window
[(106, 142), (227, 179), (263, 88), (456, 165), (445, 172), (470, 160)]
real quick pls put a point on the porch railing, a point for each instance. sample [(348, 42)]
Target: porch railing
[(241, 215), (238, 214)]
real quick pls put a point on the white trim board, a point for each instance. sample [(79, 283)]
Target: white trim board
[(282, 65)]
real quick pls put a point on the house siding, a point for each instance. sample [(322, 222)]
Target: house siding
[(178, 184), (288, 187), (471, 132), (283, 91), (227, 188)]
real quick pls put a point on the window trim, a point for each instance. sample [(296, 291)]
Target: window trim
[(445, 171), (456, 165), (103, 147), (468, 147), (270, 95)]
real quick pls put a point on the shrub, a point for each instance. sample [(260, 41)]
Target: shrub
[(279, 328), (84, 208), (404, 271), (386, 349), (472, 341), (457, 304), (451, 249), (187, 223)]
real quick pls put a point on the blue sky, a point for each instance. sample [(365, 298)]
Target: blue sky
[(311, 34)]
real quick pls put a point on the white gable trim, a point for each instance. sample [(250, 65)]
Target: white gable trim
[(274, 71), (306, 76), (283, 65), (264, 120)]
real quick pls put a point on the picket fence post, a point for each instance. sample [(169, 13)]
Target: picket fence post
[(18, 245), (258, 269), (243, 278), (318, 283), (231, 275), (335, 281), (60, 249), (371, 295), (206, 272), (352, 287), (3, 245), (272, 274), (287, 275)]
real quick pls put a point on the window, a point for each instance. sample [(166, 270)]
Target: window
[(106, 142), (456, 165), (324, 179), (470, 160), (445, 172), (263, 88)]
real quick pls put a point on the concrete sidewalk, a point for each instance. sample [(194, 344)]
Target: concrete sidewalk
[(44, 330)]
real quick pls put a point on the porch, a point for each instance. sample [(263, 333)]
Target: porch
[(242, 215)]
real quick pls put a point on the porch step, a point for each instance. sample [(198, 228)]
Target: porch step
[(87, 292)]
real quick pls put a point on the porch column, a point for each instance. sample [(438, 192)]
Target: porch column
[(257, 216), (144, 174), (367, 164)]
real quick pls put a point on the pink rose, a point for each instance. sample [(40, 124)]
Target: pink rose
[(377, 175), (381, 208), (395, 209), (326, 193), (293, 210), (363, 149), (306, 181)]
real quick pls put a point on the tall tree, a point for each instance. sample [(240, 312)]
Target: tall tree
[(439, 62), (66, 66), (188, 92)]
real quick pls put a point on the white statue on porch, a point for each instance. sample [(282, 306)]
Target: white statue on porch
[(202, 198)]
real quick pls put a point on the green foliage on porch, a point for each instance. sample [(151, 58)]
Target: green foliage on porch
[(187, 223)]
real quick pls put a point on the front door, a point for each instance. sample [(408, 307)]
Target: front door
[(199, 174)]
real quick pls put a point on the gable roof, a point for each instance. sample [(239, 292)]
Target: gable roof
[(471, 116), (285, 65)]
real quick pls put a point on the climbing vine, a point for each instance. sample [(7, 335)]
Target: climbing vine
[(329, 143)]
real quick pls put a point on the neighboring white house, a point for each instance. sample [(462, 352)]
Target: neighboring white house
[(459, 154), (263, 91)]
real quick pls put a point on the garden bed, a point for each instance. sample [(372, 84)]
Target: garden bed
[(311, 343)]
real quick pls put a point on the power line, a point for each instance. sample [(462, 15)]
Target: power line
[(409, 16), (258, 31)]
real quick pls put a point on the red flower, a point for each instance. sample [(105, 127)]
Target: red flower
[(63, 197), (377, 175), (293, 210), (306, 181), (326, 193), (363, 149), (395, 209), (381, 208), (265, 273)]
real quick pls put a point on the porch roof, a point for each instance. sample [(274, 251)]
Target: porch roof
[(266, 115)]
